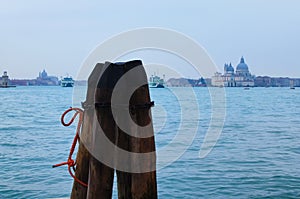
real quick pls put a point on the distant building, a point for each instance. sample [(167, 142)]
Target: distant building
[(280, 82), (266, 81), (184, 82), (44, 80), (263, 81), (43, 75), (21, 82), (241, 77), (4, 79), (295, 82)]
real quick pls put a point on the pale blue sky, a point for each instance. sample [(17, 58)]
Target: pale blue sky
[(58, 35)]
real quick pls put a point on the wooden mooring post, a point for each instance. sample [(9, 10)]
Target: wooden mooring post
[(136, 177), (83, 155)]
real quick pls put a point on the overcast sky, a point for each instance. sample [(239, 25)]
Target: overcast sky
[(58, 35)]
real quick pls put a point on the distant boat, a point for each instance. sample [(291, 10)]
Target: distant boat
[(246, 88), (156, 82), (67, 82)]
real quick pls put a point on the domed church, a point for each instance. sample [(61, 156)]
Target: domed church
[(240, 78)]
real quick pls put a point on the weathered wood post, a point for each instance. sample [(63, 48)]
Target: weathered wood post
[(101, 176), (83, 156), (136, 183)]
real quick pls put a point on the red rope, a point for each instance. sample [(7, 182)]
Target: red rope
[(70, 162)]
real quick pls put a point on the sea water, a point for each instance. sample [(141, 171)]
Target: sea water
[(256, 156)]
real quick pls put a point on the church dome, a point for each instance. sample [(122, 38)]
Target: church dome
[(230, 68), (44, 73), (242, 66)]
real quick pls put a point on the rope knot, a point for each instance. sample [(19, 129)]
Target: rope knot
[(70, 162)]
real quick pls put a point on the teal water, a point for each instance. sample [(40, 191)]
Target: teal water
[(257, 155)]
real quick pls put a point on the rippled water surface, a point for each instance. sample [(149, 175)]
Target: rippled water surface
[(257, 155)]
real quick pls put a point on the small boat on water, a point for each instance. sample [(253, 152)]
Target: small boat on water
[(67, 82), (156, 82)]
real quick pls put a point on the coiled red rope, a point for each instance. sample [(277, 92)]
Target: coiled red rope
[(70, 162)]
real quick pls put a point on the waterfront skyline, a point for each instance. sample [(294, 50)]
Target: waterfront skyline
[(59, 36)]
